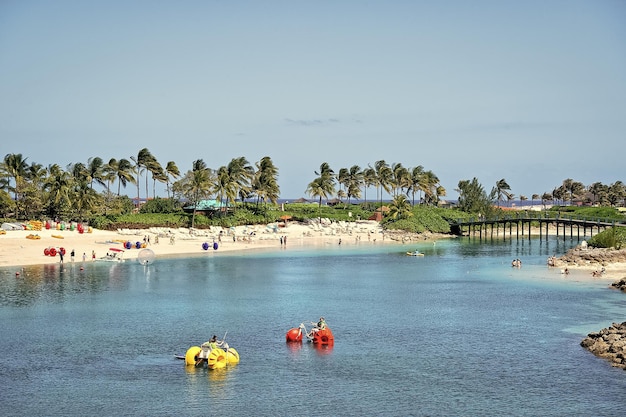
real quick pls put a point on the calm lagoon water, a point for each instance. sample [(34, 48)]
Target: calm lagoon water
[(457, 332)]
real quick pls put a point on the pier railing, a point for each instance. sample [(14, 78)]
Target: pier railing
[(524, 222)]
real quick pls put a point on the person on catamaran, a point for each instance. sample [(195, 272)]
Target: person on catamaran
[(321, 325), (211, 344)]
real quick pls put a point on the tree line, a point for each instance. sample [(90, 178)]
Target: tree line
[(474, 198), (30, 190)]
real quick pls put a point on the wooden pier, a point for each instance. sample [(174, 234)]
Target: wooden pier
[(520, 227)]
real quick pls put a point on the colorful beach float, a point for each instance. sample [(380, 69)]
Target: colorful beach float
[(320, 334), (214, 354)]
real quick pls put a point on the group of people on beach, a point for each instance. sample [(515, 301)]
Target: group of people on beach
[(73, 255)]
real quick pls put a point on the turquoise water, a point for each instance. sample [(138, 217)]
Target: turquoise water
[(457, 332)]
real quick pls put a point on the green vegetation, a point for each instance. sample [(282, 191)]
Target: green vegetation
[(424, 219), (614, 237), (249, 194), (604, 213)]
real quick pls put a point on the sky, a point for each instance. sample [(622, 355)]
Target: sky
[(533, 92)]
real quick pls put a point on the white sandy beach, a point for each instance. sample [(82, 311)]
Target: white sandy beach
[(17, 250)]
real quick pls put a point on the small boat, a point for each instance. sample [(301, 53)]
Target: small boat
[(116, 255), (58, 236), (33, 237), (415, 253)]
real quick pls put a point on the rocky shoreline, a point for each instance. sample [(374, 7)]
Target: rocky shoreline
[(619, 285), (609, 344), (582, 256)]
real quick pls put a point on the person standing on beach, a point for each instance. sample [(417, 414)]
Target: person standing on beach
[(72, 255), (61, 255), (93, 255)]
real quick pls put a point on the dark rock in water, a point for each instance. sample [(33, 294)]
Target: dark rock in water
[(609, 344), (620, 285)]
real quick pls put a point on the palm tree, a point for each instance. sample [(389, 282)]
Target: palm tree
[(108, 173), (95, 170), (502, 189), (197, 185), (33, 194), (240, 175), (324, 184), (36, 173), (84, 198), (354, 182), (171, 170), (558, 194), (369, 179), (400, 207), (321, 189), (342, 178), (523, 198), (417, 174), (15, 167), (233, 179), (401, 178), (533, 198), (78, 171), (546, 197), (341, 194), (141, 162), (573, 188), (265, 183), (616, 193), (440, 191), (122, 170), (223, 186), (383, 178), (58, 185), (158, 174), (430, 184)]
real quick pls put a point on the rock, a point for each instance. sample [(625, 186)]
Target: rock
[(609, 344), (620, 285), (592, 256)]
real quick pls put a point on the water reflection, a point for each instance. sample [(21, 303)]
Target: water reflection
[(56, 282), (323, 350), (294, 347)]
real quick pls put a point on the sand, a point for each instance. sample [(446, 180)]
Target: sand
[(17, 250)]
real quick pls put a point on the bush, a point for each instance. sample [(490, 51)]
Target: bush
[(423, 219), (606, 213), (161, 205), (614, 237)]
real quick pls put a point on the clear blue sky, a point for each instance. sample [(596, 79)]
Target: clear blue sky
[(530, 91)]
